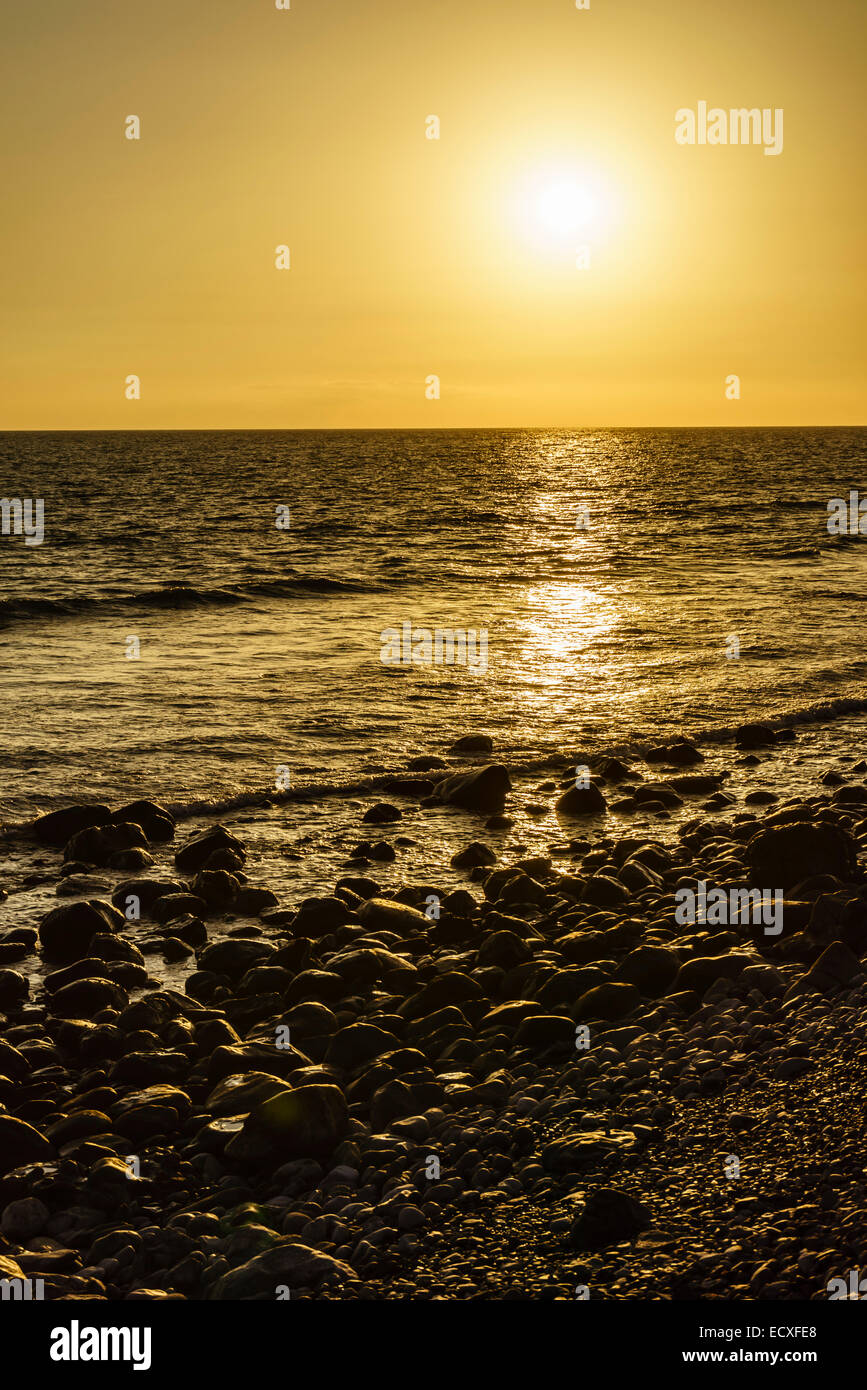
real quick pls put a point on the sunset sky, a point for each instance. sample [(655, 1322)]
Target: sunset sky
[(412, 257)]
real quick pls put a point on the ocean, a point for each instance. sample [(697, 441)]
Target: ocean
[(168, 638)]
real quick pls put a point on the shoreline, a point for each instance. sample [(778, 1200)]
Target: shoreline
[(436, 1124)]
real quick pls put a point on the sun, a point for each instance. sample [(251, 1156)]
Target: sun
[(563, 208), (559, 208)]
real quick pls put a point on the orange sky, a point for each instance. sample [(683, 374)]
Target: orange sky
[(413, 257)]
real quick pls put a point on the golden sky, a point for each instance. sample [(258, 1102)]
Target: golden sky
[(413, 257)]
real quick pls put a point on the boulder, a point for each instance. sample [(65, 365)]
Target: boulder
[(20, 1143), (581, 801), (305, 1123), (783, 855), (58, 827), (66, 932), (483, 790), (290, 1265), (194, 855), (608, 1217)]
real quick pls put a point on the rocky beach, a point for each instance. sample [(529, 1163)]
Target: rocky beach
[(487, 1059)]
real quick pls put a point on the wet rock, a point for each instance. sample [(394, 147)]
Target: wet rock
[(473, 743), (483, 790), (581, 801), (541, 1030), (97, 844), (58, 827), (250, 901), (235, 957), (382, 814), (66, 932), (382, 914), (155, 820), (603, 891), (144, 891), (14, 989), (474, 855), (452, 987), (320, 916), (242, 1092), (358, 1043), (130, 859), (216, 887), (680, 754), (196, 853), (754, 735), (84, 998)]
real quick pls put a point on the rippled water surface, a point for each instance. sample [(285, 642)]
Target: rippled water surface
[(260, 647)]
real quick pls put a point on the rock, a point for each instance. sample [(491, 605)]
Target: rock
[(652, 969), (156, 822), (581, 801), (194, 855), (576, 1152), (679, 754), (320, 916), (58, 827), (170, 906), (291, 1265), (835, 968), (545, 1030), (614, 770), (130, 859), (452, 987), (473, 856), (235, 957), (791, 1067), (99, 843), (607, 1002), (66, 932), (381, 814), (84, 998), (697, 782), (14, 989), (783, 855), (609, 1216), (305, 1123), (754, 735), (23, 1219), (358, 1043), (473, 743), (20, 1143), (242, 1092), (381, 914), (602, 891), (483, 790), (145, 890), (702, 971), (216, 887)]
